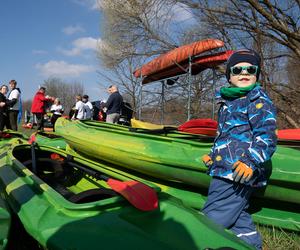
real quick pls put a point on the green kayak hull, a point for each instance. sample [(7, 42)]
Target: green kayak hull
[(5, 222), (50, 139), (171, 158), (55, 222), (10, 134)]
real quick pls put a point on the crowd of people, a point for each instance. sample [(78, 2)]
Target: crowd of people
[(84, 110), (11, 106)]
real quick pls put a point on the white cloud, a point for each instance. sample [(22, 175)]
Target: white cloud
[(97, 5), (70, 30), (91, 4), (86, 43), (63, 69), (39, 52), (81, 44), (71, 52)]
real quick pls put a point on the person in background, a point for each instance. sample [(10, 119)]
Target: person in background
[(245, 142), (27, 115), (38, 107), (79, 109), (14, 97), (89, 110), (57, 110), (113, 105), (4, 119)]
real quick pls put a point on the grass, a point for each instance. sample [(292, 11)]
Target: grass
[(277, 239)]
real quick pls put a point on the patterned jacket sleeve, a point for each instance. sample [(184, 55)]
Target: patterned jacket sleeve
[(262, 119)]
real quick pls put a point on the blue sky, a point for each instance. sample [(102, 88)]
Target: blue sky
[(44, 38)]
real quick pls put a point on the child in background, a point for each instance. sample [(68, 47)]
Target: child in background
[(89, 110), (57, 110), (245, 142), (79, 109)]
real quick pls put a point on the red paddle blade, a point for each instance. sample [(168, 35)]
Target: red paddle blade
[(138, 194), (6, 135), (57, 157), (32, 139)]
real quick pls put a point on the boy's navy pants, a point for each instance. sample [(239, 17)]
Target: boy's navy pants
[(226, 205)]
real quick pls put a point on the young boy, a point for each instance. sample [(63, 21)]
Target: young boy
[(245, 142)]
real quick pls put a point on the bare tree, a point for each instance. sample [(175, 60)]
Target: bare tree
[(277, 20), (143, 28), (122, 76), (134, 32), (66, 92), (137, 28), (271, 28)]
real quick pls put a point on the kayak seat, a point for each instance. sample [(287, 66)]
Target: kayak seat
[(91, 195), (62, 190), (47, 168)]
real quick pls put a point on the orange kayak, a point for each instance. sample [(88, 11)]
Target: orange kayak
[(199, 64), (176, 56)]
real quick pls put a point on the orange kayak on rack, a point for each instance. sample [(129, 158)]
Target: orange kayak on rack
[(176, 56), (198, 65)]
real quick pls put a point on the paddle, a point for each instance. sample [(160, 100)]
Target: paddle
[(31, 141), (138, 194), (164, 130)]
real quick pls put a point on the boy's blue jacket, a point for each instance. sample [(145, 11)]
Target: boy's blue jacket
[(246, 132)]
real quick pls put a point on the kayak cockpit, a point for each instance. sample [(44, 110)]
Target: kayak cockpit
[(64, 175)]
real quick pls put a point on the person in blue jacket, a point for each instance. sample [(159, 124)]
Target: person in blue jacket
[(113, 105), (239, 160)]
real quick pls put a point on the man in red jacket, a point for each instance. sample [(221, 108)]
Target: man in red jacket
[(38, 107)]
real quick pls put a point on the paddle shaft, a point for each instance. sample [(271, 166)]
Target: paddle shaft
[(90, 172), (33, 157), (164, 130)]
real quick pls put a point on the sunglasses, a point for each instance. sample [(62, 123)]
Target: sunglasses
[(251, 70)]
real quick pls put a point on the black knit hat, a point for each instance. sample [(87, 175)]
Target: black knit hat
[(243, 55)]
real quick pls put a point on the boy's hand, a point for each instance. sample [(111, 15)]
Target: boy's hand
[(241, 172), (207, 160)]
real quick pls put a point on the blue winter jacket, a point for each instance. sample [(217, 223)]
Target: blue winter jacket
[(246, 132)]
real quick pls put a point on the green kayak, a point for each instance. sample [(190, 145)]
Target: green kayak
[(5, 222), (8, 135), (49, 139), (63, 204), (170, 158)]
